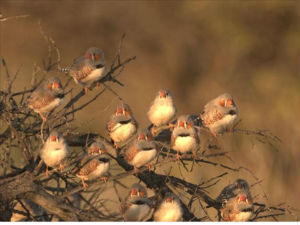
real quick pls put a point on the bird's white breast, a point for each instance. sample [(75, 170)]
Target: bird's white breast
[(161, 112), (185, 144), (121, 132), (137, 213), (224, 123), (96, 74), (143, 157), (53, 157), (101, 169), (242, 216), (56, 102), (168, 212)]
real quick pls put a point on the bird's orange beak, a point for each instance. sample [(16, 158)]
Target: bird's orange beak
[(133, 192), (181, 124), (53, 138), (142, 137), (119, 110), (162, 94), (169, 199)]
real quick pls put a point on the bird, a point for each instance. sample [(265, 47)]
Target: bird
[(94, 165), (46, 97), (169, 210), (121, 125), (54, 151), (142, 151), (88, 68), (162, 110), (137, 206), (236, 202), (220, 114), (184, 137)]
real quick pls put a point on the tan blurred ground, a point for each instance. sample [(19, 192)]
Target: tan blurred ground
[(198, 50)]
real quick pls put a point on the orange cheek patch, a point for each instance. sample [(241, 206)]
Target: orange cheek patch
[(97, 57), (127, 112), (56, 85), (49, 86), (88, 56), (222, 102), (229, 102)]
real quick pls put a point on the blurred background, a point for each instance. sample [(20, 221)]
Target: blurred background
[(197, 50)]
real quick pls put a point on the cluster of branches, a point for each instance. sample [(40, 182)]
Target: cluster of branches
[(22, 130)]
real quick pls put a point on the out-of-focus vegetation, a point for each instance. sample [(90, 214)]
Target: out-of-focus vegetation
[(198, 50)]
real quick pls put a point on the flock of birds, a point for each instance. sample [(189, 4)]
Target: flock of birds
[(219, 116)]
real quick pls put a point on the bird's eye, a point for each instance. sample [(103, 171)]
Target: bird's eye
[(240, 186)]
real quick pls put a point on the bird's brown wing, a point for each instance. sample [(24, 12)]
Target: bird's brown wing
[(211, 116), (39, 100), (88, 165), (81, 69), (110, 126), (132, 151), (196, 136)]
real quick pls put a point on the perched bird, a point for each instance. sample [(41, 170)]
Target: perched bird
[(46, 97), (137, 206), (142, 151), (54, 151), (185, 137), (236, 201), (88, 68), (162, 110), (94, 165), (169, 210), (121, 125), (219, 114)]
